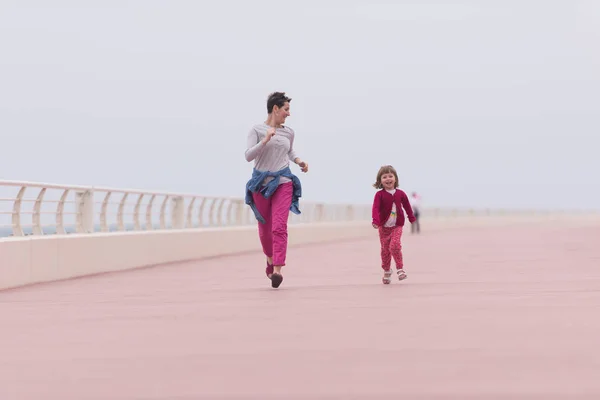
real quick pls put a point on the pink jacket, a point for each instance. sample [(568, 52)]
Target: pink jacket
[(382, 207)]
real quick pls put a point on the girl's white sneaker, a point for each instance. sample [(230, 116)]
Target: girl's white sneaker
[(387, 277), (401, 275)]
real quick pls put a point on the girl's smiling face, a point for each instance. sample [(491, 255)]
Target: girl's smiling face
[(388, 180)]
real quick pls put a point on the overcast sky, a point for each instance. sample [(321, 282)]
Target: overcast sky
[(477, 103)]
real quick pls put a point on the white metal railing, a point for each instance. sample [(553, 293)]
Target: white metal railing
[(33, 208)]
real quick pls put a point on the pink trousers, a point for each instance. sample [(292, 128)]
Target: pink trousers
[(391, 246), (273, 233)]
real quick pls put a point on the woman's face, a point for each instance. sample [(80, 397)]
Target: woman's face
[(282, 113)]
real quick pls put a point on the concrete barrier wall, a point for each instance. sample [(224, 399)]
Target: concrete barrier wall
[(36, 259), (41, 259)]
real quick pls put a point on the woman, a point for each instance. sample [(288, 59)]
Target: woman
[(273, 190)]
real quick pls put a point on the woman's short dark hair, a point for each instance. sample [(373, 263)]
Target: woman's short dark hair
[(277, 99)]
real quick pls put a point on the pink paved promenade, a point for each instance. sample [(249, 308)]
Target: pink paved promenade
[(486, 313)]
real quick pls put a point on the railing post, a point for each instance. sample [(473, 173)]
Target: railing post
[(177, 213), (17, 229), (239, 212), (37, 210), (121, 212), (136, 213), (190, 211), (319, 212), (85, 211)]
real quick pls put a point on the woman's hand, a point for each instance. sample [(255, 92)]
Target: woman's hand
[(269, 135), (302, 164)]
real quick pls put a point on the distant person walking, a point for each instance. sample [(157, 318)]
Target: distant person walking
[(273, 190), (415, 202), (388, 218)]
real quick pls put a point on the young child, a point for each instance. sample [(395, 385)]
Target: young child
[(388, 217)]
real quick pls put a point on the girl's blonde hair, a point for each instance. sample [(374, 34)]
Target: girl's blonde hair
[(386, 169)]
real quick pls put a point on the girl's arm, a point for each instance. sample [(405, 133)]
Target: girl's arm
[(375, 210), (407, 207)]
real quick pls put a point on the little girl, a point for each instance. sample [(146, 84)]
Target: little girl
[(389, 219)]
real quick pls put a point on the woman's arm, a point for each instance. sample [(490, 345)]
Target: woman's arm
[(292, 153), (253, 146), (294, 157)]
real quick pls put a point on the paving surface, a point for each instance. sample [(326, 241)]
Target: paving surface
[(486, 313)]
